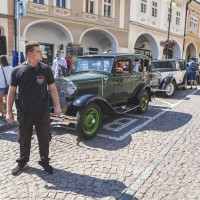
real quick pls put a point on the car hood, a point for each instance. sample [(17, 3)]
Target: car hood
[(85, 77)]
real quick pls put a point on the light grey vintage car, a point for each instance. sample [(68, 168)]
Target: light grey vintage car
[(167, 75)]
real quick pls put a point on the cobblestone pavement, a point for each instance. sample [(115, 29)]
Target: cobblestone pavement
[(150, 157)]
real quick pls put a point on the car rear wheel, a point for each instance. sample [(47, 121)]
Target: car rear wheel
[(89, 120), (143, 102), (170, 89)]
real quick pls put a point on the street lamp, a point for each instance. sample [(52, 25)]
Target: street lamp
[(172, 5)]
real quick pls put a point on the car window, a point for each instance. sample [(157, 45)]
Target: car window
[(162, 65), (122, 67), (181, 64), (94, 64)]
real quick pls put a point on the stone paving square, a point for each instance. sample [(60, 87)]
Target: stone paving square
[(159, 161)]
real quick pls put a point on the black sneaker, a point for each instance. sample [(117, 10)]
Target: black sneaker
[(47, 168), (191, 88), (18, 170)]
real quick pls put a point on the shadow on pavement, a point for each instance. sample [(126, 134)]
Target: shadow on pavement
[(11, 136), (164, 124), (81, 184), (179, 94)]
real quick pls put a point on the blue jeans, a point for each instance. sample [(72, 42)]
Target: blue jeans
[(192, 76)]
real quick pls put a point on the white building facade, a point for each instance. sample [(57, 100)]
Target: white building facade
[(6, 27), (149, 26)]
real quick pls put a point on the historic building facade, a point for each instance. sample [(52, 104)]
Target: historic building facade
[(78, 27), (84, 27), (150, 27), (192, 31), (7, 27)]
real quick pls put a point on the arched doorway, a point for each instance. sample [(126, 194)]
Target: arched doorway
[(50, 35), (95, 41), (173, 51), (190, 52), (146, 44), (169, 51)]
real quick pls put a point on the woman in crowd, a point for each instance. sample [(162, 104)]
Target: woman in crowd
[(5, 73)]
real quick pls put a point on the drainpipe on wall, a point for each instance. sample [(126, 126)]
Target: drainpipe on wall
[(186, 10), (15, 28)]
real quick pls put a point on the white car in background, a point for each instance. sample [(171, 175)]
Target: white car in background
[(167, 75)]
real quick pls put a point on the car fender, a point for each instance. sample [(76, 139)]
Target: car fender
[(86, 99), (166, 80), (82, 100), (141, 88)]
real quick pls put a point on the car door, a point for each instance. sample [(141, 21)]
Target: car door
[(122, 80), (137, 76), (180, 71)]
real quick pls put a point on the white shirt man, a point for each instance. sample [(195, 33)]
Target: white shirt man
[(136, 66), (59, 64)]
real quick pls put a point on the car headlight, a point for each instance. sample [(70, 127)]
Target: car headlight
[(71, 88)]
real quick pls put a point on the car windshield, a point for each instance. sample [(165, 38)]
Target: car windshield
[(162, 65), (95, 64)]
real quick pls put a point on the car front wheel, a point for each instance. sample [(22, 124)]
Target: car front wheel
[(143, 102), (89, 120), (170, 89)]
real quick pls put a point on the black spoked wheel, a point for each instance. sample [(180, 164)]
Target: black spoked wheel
[(89, 120), (144, 102), (170, 89)]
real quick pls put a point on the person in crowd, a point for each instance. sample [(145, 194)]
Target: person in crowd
[(68, 62), (59, 65), (192, 73), (5, 73), (33, 79), (136, 65)]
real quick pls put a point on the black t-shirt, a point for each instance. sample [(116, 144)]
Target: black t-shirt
[(32, 83)]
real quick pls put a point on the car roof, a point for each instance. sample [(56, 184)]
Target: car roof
[(167, 60), (115, 55)]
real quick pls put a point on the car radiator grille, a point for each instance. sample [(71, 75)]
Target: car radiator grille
[(154, 79), (62, 93)]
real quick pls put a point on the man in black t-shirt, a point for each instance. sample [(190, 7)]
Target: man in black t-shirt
[(32, 79)]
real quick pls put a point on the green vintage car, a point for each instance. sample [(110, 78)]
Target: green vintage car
[(103, 84)]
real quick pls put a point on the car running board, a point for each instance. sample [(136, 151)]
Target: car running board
[(125, 108), (158, 90)]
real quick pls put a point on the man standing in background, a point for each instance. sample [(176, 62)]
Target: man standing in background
[(68, 61), (192, 73), (59, 65)]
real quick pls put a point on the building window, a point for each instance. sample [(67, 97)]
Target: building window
[(93, 50), (89, 6), (60, 3), (193, 24), (38, 1), (178, 14), (107, 8), (154, 9), (143, 6)]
